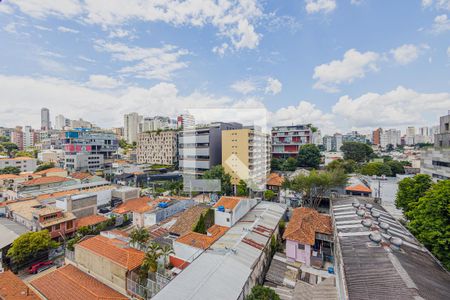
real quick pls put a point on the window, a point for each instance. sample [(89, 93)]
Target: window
[(228, 219), (301, 247), (57, 227), (446, 126), (69, 224)]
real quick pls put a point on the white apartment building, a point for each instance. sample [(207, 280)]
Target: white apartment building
[(60, 122), (391, 136), (132, 127), (25, 164), (157, 123), (154, 147), (28, 137)]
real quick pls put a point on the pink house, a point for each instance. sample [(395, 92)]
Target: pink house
[(308, 236)]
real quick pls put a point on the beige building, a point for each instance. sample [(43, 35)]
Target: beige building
[(246, 156), (157, 147)]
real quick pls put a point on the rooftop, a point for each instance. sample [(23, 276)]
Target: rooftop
[(115, 250), (222, 271), (188, 219), (228, 202), (10, 231), (305, 223), (51, 170), (138, 205), (9, 176), (80, 175), (90, 220), (359, 188), (18, 158), (68, 282), (379, 270), (11, 287), (275, 179), (203, 241), (45, 180)]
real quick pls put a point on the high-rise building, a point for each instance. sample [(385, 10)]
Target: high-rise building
[(334, 142), (80, 124), (246, 156), (17, 137), (132, 127), (354, 136), (60, 122), (158, 123), (200, 148), (410, 134), (155, 147), (287, 140), (390, 137), (185, 121), (436, 161), (45, 119), (376, 136), (28, 137)]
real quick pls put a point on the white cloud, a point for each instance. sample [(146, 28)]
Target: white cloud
[(6, 9), (408, 53), (356, 2), (66, 29), (441, 24), (354, 65), (244, 86), (399, 107), (119, 33), (234, 20), (448, 52), (274, 86), (323, 6), (103, 82), (439, 4), (221, 49), (43, 8), (87, 59), (10, 27), (43, 28), (150, 63)]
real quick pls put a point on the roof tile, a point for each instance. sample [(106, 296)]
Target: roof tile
[(305, 223)]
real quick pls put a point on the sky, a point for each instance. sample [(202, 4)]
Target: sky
[(339, 64)]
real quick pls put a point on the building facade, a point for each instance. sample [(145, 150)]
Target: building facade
[(246, 156), (333, 143), (390, 137), (201, 148), (132, 127), (25, 164), (45, 119), (287, 140), (157, 147)]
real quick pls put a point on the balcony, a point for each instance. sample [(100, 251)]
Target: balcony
[(197, 139)]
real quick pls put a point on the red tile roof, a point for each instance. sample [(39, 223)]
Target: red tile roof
[(305, 223), (138, 205), (275, 179), (12, 287), (68, 282), (45, 180), (228, 202), (51, 170), (203, 241), (80, 175), (9, 176), (188, 219), (90, 220), (115, 250), (359, 188)]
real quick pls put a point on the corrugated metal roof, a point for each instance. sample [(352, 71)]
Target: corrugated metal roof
[(222, 271)]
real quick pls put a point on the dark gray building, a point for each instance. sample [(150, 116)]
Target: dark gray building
[(442, 139)]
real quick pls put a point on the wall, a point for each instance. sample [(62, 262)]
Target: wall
[(222, 218), (296, 254), (102, 268)]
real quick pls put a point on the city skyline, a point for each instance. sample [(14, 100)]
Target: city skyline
[(328, 62)]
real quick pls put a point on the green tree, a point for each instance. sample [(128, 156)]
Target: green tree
[(123, 144), (200, 226), (166, 251), (289, 164), (309, 156), (276, 164), (218, 172), (29, 244), (24, 154), (396, 167), (317, 185), (389, 147), (10, 170), (358, 152), (241, 189), (349, 166), (410, 190), (4, 139), (430, 221), (260, 292), (150, 262), (9, 147), (269, 195), (139, 236), (376, 168), (45, 166)]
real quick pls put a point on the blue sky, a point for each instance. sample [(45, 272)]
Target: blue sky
[(340, 64)]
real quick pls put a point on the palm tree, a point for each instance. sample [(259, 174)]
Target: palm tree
[(152, 255), (139, 236), (165, 252)]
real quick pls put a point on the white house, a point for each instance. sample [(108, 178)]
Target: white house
[(228, 210)]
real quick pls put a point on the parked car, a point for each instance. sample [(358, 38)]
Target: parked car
[(40, 266)]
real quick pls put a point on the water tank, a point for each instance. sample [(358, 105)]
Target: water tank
[(221, 208)]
